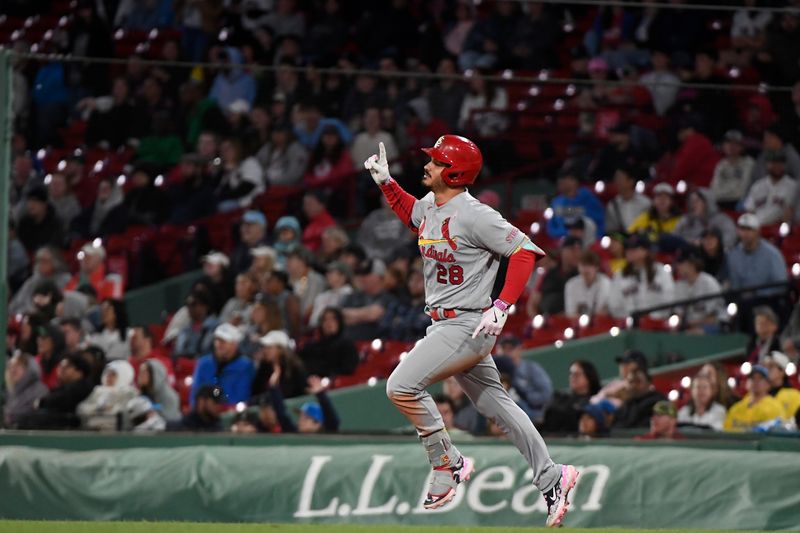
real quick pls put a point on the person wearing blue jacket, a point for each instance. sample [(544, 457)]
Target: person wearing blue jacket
[(233, 83), (574, 202), (225, 367)]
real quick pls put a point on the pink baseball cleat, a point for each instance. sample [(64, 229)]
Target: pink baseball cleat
[(556, 498)]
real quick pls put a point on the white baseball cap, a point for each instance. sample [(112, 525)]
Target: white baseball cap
[(216, 258), (263, 251), (749, 221), (228, 332), (779, 358), (276, 337), (664, 188), (91, 249)]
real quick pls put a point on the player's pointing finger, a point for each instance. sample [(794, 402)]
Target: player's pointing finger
[(382, 152)]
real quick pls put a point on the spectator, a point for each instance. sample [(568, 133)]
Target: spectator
[(106, 216), (573, 201), (307, 282), (56, 410), (238, 308), (702, 409), (748, 29), (720, 389), (49, 353), (153, 382), (583, 228), (320, 416), (485, 44), (204, 415), (663, 422), (74, 329), (107, 402), (662, 217), (754, 261), (712, 253), (242, 178), (714, 107), (265, 316), (771, 197), (330, 161), (702, 316), (467, 417), (446, 96), (732, 174), (780, 388), (224, 367), (18, 260), (283, 159), (193, 196), (757, 410), (619, 153), (505, 367), (252, 233), (643, 283), (267, 420), (365, 142), (482, 96), (338, 280), (286, 236), (112, 120), (197, 337), (447, 410), (695, 158), (381, 233), (278, 366), (39, 226), (145, 201), (533, 40), (311, 124), (216, 279), (564, 411), (232, 83), (364, 308), (703, 214), (766, 339), (62, 199), (595, 419), (319, 219), (405, 318), (590, 291), (529, 379), (264, 258), (143, 349), (143, 416), (627, 205), (616, 390), (774, 141), (548, 295), (422, 128), (330, 354), (334, 241), (642, 397), (48, 266), (288, 305), (662, 83), (112, 339), (24, 388)]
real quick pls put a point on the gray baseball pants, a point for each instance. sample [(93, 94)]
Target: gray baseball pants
[(448, 349)]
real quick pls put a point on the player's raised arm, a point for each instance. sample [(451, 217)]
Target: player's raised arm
[(399, 200)]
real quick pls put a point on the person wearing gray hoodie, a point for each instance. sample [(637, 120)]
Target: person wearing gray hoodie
[(48, 265), (702, 214), (24, 385), (153, 384)]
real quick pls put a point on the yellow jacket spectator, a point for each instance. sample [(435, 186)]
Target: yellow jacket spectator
[(789, 398), (661, 217), (757, 407)]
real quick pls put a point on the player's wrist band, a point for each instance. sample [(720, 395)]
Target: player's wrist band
[(501, 305)]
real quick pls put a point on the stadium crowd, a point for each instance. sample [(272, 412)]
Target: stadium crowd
[(662, 193)]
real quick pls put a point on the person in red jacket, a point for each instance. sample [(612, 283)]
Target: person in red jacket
[(93, 272), (318, 219), (695, 158)]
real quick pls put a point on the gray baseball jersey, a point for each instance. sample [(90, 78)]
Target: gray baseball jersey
[(460, 243)]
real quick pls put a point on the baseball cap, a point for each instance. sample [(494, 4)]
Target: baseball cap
[(664, 188), (313, 411), (633, 356), (276, 337), (665, 407), (778, 358), (371, 266), (212, 392), (263, 251), (759, 369), (571, 240), (228, 332), (216, 258), (637, 240), (254, 217), (91, 249), (749, 221), (39, 194), (339, 266), (734, 136), (239, 106)]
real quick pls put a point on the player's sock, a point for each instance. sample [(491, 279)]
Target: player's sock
[(440, 449)]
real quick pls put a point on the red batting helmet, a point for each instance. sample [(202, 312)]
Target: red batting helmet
[(462, 156)]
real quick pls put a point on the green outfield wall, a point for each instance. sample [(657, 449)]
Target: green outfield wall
[(620, 486)]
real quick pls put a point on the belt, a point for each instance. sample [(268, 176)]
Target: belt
[(444, 314)]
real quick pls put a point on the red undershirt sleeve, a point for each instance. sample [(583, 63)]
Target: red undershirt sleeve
[(520, 268), (400, 201)]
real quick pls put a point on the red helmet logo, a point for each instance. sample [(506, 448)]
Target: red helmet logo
[(462, 156)]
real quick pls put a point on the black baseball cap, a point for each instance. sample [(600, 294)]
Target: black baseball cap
[(571, 240), (637, 240), (633, 356)]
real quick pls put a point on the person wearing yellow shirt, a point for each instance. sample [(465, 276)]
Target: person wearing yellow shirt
[(789, 398), (661, 218), (757, 407)]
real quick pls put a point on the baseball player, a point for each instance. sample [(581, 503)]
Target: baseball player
[(461, 241)]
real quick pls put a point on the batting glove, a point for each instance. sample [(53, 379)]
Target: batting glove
[(377, 166), (493, 319)]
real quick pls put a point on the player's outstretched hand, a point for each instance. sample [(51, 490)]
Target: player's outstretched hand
[(378, 166), (493, 320)]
